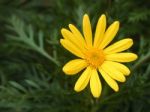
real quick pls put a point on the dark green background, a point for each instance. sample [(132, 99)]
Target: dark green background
[(31, 58)]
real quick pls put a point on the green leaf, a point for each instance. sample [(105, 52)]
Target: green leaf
[(18, 86), (26, 34)]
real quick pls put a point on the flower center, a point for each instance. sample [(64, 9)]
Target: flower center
[(94, 57)]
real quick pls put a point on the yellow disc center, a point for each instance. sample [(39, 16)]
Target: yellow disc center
[(94, 57)]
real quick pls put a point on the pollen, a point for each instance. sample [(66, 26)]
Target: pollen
[(94, 57)]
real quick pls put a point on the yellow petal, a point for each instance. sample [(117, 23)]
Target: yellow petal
[(121, 57), (69, 36), (77, 34), (74, 66), (95, 84), (112, 83), (83, 80), (112, 72), (110, 34), (87, 31), (100, 29), (122, 68), (66, 34), (71, 47), (119, 46)]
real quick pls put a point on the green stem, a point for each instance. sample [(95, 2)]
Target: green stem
[(94, 105), (42, 51), (51, 58)]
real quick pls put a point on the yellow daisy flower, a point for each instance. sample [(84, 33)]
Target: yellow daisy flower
[(94, 56)]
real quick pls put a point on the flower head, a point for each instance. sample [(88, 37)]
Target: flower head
[(95, 56)]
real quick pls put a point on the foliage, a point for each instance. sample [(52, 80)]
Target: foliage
[(31, 58)]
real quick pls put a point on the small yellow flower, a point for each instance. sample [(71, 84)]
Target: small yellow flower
[(94, 55)]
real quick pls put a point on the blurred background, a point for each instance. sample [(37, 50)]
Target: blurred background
[(31, 58)]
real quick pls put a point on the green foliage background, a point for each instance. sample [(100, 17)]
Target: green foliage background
[(31, 58)]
